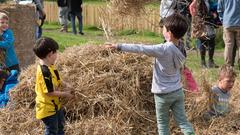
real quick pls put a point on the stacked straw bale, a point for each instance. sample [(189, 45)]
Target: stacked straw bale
[(23, 23), (129, 7), (112, 98)]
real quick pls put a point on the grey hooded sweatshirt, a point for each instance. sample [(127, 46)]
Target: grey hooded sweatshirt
[(166, 69)]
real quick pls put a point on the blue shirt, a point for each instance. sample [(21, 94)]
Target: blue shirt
[(166, 69), (229, 12), (8, 45), (9, 83)]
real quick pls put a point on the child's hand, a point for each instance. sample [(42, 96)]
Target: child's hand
[(110, 45), (68, 95)]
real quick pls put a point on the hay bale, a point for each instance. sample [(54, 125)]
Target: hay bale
[(113, 98), (129, 7), (22, 22)]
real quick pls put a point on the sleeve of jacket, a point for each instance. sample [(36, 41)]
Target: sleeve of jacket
[(220, 9), (8, 39), (38, 4), (150, 50)]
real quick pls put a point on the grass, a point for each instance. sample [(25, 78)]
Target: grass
[(69, 39), (94, 35)]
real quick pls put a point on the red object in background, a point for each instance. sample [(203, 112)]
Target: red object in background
[(189, 82)]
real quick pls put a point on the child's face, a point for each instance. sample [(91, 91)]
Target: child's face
[(52, 57), (166, 34), (226, 83), (3, 24)]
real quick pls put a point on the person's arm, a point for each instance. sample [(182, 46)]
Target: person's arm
[(220, 9), (192, 7), (60, 94), (8, 40), (39, 6), (150, 50), (66, 87)]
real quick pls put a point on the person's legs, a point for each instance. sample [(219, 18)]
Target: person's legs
[(202, 49), (162, 112), (63, 16), (228, 37), (211, 48), (237, 42), (179, 113), (234, 52), (39, 32), (74, 31), (79, 17), (61, 122), (51, 124), (188, 33)]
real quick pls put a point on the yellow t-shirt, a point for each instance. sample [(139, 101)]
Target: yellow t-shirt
[(47, 79)]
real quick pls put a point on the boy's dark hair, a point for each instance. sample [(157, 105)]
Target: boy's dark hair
[(44, 46), (227, 71), (176, 24)]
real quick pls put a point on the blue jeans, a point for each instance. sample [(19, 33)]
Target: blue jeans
[(79, 17), (38, 32), (173, 101), (54, 125)]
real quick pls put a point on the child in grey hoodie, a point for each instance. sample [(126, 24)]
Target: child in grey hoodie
[(166, 81)]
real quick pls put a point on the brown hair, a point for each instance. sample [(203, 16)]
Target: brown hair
[(226, 71), (176, 24)]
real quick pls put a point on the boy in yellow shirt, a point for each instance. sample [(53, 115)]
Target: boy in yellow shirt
[(49, 87)]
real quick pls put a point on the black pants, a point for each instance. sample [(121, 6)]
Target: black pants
[(207, 45), (15, 67)]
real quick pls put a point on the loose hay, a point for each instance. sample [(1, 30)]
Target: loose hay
[(113, 98)]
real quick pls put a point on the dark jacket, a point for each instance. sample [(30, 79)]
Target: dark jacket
[(74, 6), (62, 3)]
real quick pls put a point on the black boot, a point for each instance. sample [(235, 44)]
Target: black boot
[(211, 64), (203, 64)]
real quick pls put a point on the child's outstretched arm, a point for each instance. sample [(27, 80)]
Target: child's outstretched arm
[(110, 45), (150, 50)]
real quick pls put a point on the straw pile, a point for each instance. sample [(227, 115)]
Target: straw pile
[(22, 22), (112, 98)]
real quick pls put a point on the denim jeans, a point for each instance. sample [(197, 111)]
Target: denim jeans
[(38, 32), (173, 101), (79, 17), (54, 125)]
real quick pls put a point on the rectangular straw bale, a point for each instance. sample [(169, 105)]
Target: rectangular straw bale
[(23, 23)]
